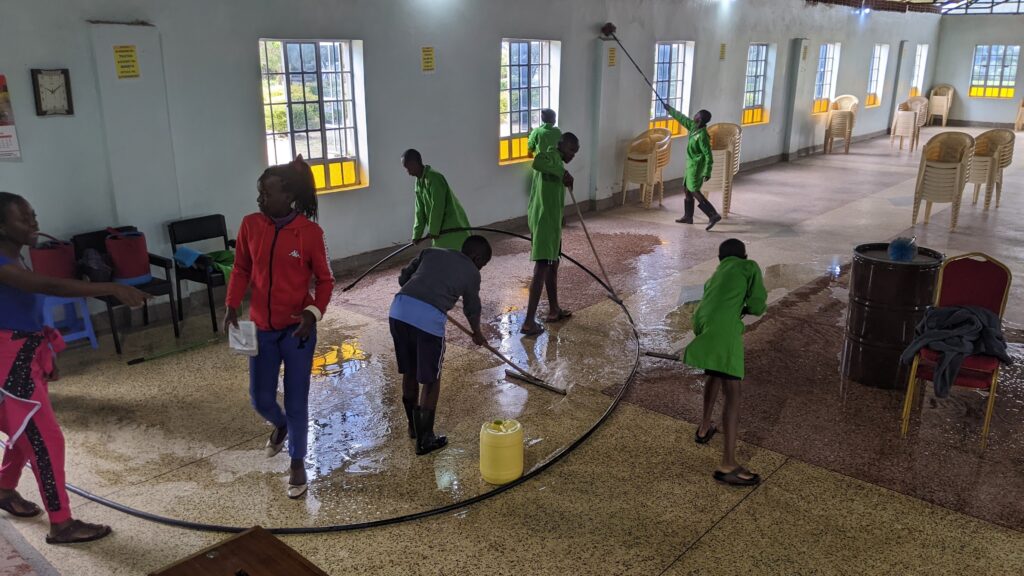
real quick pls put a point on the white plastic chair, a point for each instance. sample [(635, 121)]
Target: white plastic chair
[(986, 169), (1018, 125), (726, 140), (940, 102), (904, 126), (841, 119), (943, 173), (642, 163)]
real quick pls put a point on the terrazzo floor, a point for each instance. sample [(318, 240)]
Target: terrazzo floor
[(842, 494)]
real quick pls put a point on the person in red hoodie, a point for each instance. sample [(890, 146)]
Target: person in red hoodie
[(279, 250)]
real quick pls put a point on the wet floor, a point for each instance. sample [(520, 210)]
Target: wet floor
[(177, 436)]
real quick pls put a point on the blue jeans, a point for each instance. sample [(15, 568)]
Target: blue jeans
[(276, 347)]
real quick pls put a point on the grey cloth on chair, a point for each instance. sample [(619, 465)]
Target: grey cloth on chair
[(957, 332)]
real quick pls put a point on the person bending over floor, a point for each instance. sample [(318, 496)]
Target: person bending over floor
[(279, 250), (735, 289), (698, 165), (544, 215), (437, 208), (27, 364), (431, 285)]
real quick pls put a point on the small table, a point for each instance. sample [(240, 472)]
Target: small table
[(254, 552)]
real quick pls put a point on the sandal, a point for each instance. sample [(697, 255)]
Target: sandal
[(532, 332), (563, 314), (78, 532), (28, 509), (705, 438), (734, 478)]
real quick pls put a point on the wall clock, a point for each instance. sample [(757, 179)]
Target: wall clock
[(52, 90)]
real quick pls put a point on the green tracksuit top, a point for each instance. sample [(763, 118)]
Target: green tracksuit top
[(698, 151), (438, 209), (547, 202)]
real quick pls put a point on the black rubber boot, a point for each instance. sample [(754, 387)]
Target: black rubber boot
[(426, 442), (708, 209), (410, 405), (687, 210)]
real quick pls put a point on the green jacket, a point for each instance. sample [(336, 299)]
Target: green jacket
[(543, 137), (547, 202), (736, 288), (698, 151), (438, 209)]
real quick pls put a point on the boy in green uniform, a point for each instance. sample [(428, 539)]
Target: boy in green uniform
[(734, 290), (698, 165), (544, 214), (546, 135), (437, 208)]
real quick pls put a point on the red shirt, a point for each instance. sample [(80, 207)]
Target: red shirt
[(279, 264)]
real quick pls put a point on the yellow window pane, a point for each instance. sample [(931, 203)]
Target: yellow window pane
[(914, 91), (350, 172), (319, 179), (516, 152), (334, 169), (503, 150)]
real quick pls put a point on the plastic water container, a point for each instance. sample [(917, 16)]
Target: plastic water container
[(501, 451), (242, 340)]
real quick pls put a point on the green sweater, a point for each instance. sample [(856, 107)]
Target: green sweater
[(543, 137), (736, 288), (698, 151), (438, 209)]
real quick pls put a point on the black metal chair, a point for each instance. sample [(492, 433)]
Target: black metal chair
[(157, 286), (196, 230)]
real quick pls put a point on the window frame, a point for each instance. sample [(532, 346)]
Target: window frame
[(756, 112), (680, 54), (876, 75), (512, 146), (1005, 84), (825, 76), (347, 170), (920, 66)]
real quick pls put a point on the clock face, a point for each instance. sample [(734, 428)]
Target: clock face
[(53, 92)]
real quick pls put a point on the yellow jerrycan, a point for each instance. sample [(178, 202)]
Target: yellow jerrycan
[(501, 451)]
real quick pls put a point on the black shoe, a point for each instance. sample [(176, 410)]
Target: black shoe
[(685, 220), (714, 219), (410, 405), (426, 442)]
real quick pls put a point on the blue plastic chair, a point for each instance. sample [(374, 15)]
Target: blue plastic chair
[(76, 324)]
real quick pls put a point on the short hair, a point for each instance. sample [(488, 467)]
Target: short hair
[(412, 155), (732, 247), (570, 138), (8, 199), (477, 246), (548, 115), (706, 115)]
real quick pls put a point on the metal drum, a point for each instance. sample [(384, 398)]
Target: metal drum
[(887, 300)]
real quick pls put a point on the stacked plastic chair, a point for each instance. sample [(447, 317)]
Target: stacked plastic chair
[(920, 106), (841, 118), (941, 102), (991, 149), (943, 173), (646, 159), (904, 125), (726, 140), (1018, 125)]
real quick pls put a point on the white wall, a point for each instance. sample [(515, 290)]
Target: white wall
[(211, 67), (958, 36)]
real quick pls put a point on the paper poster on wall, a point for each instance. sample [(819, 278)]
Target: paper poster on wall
[(8, 135), (428, 62), (126, 61)]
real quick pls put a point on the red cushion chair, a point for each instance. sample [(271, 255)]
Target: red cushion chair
[(970, 280)]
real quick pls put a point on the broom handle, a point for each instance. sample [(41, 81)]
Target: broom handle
[(589, 241), (488, 347), (637, 66)]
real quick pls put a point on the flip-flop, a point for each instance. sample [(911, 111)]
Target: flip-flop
[(734, 479), (705, 438), (7, 505), (64, 536), (563, 314), (535, 332)]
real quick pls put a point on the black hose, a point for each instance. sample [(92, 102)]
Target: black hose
[(418, 515)]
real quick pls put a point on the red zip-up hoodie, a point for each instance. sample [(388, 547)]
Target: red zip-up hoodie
[(279, 264)]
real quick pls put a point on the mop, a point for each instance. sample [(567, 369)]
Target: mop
[(608, 30), (519, 373)]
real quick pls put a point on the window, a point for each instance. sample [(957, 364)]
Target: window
[(673, 70), (920, 63), (529, 83), (755, 87), (876, 75), (825, 80), (995, 71), (984, 7), (310, 94)]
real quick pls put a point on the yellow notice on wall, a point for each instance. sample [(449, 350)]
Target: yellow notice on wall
[(612, 56), (428, 60), (126, 61), (721, 52)]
